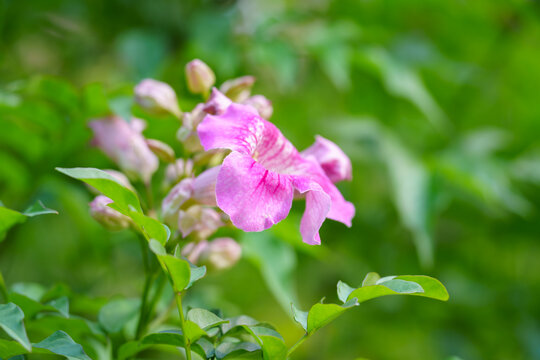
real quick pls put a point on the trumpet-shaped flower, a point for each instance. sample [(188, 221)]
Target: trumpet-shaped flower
[(334, 162), (257, 181)]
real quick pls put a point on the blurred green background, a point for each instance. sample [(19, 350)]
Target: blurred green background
[(435, 101)]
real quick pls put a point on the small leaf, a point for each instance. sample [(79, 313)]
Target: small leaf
[(321, 314), (116, 313), (300, 316), (11, 321), (228, 348), (62, 344), (193, 332), (179, 271), (169, 337), (204, 318), (402, 286), (343, 291), (10, 349), (38, 209), (370, 279), (273, 348), (197, 273), (8, 219), (61, 304)]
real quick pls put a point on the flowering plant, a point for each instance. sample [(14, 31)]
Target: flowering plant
[(237, 171)]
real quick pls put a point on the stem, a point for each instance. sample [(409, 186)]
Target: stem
[(4, 297), (298, 343), (149, 196), (147, 284), (182, 325)]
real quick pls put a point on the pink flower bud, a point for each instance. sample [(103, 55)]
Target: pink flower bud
[(106, 216), (121, 178), (193, 250), (162, 150), (193, 118), (157, 97), (124, 143), (204, 187), (179, 169), (198, 219), (334, 162), (238, 89), (217, 103), (221, 253), (200, 77), (261, 104), (178, 195)]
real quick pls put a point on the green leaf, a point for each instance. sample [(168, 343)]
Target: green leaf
[(62, 344), (9, 349), (38, 208), (61, 304), (197, 273), (370, 279), (8, 219), (4, 296), (193, 332), (31, 307), (417, 285), (169, 337), (116, 313), (230, 348), (300, 316), (11, 321), (179, 271), (343, 291), (270, 341), (321, 314), (204, 318), (124, 200)]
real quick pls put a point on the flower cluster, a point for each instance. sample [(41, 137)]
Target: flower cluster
[(237, 167)]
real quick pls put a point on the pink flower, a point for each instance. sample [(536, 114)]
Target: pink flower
[(124, 143), (261, 104), (157, 96), (257, 181), (334, 162)]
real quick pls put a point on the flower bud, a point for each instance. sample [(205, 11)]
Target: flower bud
[(261, 104), (221, 253), (124, 143), (157, 97), (121, 178), (217, 103), (198, 219), (336, 165), (106, 216), (200, 77), (178, 195), (193, 250), (204, 187), (193, 118), (238, 89), (162, 150), (179, 169)]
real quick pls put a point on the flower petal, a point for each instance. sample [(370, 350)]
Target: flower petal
[(318, 205), (335, 163), (254, 197)]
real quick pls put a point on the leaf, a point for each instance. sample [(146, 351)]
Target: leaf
[(8, 219), (169, 337), (193, 332), (61, 304), (418, 285), (370, 279), (38, 209), (62, 344), (179, 271), (229, 348), (270, 341), (31, 307), (300, 316), (204, 318), (116, 313), (343, 291), (197, 273), (9, 349), (124, 200), (4, 296), (321, 314), (11, 321)]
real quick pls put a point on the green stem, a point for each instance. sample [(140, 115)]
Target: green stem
[(149, 196), (182, 325), (3, 290), (147, 284), (298, 343)]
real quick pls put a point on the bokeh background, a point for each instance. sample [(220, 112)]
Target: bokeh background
[(435, 101)]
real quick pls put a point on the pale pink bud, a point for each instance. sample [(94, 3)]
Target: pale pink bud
[(200, 77), (106, 216), (238, 89), (157, 97), (124, 143), (179, 169), (261, 104), (178, 195), (162, 150), (193, 250), (199, 219), (221, 253), (332, 159), (193, 118), (204, 187), (217, 103)]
